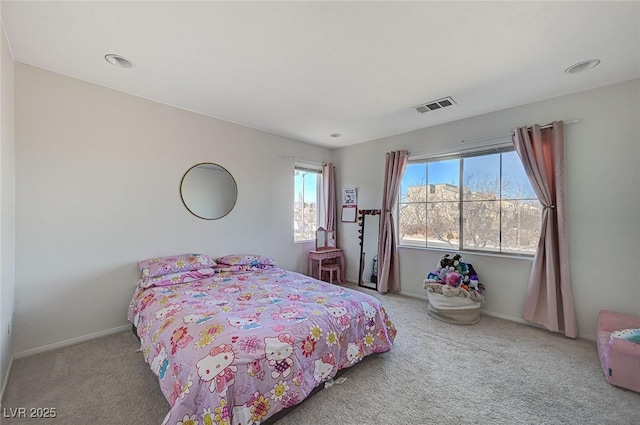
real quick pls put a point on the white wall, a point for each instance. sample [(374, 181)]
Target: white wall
[(7, 206), (98, 174), (603, 211)]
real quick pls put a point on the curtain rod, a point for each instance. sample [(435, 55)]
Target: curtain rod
[(502, 136), (471, 144), (303, 161)]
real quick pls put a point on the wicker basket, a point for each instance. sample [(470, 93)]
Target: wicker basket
[(458, 310)]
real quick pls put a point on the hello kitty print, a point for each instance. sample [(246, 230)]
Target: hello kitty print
[(165, 266), (236, 347)]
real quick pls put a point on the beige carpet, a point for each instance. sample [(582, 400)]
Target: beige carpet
[(494, 372)]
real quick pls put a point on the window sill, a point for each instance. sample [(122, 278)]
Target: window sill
[(527, 257)]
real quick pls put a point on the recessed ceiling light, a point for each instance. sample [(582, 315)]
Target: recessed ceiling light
[(582, 66), (334, 135), (118, 60)]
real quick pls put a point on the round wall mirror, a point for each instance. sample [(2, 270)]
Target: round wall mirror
[(208, 191)]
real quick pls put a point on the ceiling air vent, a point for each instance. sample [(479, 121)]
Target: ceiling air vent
[(435, 104)]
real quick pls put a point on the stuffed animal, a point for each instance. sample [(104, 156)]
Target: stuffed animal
[(445, 262), (473, 282), (433, 277), (452, 279), (454, 272), (462, 268), (449, 291)]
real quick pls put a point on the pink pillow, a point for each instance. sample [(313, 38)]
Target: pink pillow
[(160, 266), (176, 278), (245, 260)]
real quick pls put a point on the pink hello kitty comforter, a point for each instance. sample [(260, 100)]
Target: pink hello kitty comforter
[(237, 347)]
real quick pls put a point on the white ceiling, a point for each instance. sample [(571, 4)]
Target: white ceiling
[(306, 70)]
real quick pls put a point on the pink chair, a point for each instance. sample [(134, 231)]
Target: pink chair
[(620, 359)]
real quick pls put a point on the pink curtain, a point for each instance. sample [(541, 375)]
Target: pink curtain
[(549, 301), (388, 260), (329, 196)]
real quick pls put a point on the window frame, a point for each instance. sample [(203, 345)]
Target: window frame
[(498, 148), (316, 169)]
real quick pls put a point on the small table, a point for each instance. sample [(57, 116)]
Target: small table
[(327, 254)]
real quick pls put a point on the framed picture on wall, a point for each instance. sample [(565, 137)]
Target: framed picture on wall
[(349, 196), (349, 213)]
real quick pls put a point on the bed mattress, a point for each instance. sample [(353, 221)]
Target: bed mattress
[(236, 347)]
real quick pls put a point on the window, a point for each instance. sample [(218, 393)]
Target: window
[(306, 206), (476, 202)]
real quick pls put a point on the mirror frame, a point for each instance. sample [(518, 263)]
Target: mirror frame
[(325, 240), (361, 219), (232, 179)]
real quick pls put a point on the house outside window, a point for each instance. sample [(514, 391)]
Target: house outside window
[(307, 203), (474, 202)]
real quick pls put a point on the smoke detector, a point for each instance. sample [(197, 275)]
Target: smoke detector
[(435, 104)]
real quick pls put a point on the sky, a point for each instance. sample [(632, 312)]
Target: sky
[(445, 172), (310, 186), (448, 172)]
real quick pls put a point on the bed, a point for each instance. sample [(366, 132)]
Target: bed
[(237, 339)]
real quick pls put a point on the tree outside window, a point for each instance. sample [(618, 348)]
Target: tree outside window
[(475, 203), (306, 203)]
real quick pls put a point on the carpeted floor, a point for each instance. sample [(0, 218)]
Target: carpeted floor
[(494, 372)]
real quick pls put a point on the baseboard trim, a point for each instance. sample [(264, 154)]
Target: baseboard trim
[(535, 325), (494, 314), (488, 313), (6, 380), (505, 317), (407, 294), (71, 341), (587, 336)]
